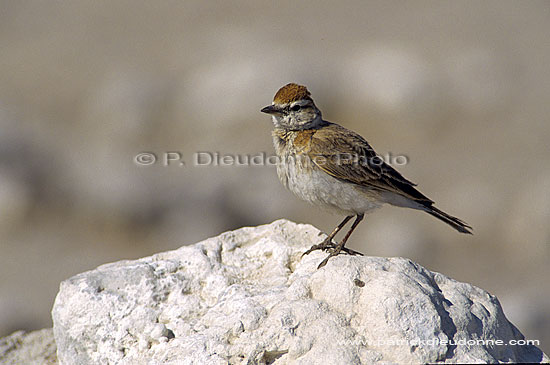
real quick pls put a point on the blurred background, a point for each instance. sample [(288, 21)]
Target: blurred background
[(461, 88)]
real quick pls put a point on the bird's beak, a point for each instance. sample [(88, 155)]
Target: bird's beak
[(271, 109)]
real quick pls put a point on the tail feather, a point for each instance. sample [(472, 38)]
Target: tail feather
[(454, 222)]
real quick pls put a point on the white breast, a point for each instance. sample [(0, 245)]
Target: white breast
[(315, 186)]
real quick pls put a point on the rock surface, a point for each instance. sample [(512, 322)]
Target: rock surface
[(248, 296), (37, 348)]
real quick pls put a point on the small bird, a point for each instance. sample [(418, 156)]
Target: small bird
[(336, 169)]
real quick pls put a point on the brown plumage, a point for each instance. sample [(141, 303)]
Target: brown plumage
[(348, 157)]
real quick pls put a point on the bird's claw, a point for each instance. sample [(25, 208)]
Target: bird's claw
[(337, 250), (325, 245), (351, 252), (332, 248)]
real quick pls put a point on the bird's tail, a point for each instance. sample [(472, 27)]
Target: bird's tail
[(454, 222)]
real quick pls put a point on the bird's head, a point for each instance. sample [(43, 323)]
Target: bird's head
[(294, 109)]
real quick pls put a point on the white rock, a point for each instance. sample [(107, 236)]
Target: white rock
[(37, 348), (248, 296)]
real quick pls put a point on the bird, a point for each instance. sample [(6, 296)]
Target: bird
[(336, 169)]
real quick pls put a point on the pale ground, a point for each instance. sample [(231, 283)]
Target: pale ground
[(460, 88)]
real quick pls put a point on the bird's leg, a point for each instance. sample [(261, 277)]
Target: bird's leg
[(340, 247), (327, 243)]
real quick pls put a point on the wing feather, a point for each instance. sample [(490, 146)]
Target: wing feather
[(347, 156)]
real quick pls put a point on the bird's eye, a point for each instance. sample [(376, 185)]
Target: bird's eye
[(295, 108)]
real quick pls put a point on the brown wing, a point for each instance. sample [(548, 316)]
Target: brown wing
[(347, 156)]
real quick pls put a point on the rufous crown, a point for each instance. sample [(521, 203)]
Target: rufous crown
[(291, 92)]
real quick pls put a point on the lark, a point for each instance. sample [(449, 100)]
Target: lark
[(336, 169)]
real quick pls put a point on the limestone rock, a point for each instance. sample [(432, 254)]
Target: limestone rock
[(248, 296), (37, 348)]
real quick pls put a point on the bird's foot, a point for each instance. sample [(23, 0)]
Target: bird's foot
[(325, 245), (337, 250)]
